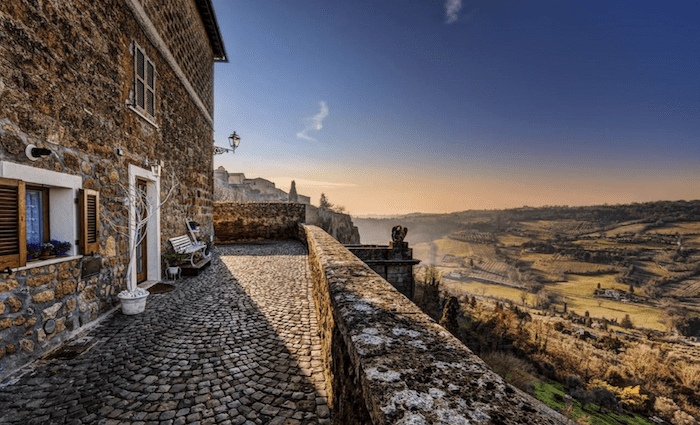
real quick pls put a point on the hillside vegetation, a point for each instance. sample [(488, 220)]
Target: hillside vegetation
[(587, 299)]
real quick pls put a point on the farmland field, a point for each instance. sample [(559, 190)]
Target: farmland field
[(497, 269)]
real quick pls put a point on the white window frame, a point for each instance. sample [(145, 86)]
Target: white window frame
[(63, 189)]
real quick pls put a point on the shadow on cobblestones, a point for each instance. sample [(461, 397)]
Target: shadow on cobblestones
[(236, 344)]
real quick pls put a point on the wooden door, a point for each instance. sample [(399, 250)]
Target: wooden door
[(141, 248)]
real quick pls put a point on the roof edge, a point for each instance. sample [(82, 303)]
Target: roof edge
[(211, 25)]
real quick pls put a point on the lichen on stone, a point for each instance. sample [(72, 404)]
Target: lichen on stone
[(402, 331), (381, 373), (412, 419), (418, 344)]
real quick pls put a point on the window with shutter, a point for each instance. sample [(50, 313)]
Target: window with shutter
[(144, 82), (13, 247), (89, 221)]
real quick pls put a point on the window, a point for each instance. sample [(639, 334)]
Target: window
[(144, 83), (37, 207), (36, 214)]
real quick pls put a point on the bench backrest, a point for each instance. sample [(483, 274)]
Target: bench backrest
[(181, 243)]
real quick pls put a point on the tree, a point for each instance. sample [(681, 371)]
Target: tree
[(324, 204), (139, 210), (293, 197), (626, 322), (450, 316)]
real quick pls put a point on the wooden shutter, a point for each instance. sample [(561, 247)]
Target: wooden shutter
[(150, 88), (140, 70), (13, 227), (89, 221)]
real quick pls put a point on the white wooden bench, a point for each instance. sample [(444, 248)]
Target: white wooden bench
[(184, 245)]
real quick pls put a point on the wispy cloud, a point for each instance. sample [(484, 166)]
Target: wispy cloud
[(314, 123), (452, 8)]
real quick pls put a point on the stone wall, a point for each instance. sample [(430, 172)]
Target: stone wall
[(387, 362), (179, 24), (338, 225), (39, 307), (236, 222), (66, 77)]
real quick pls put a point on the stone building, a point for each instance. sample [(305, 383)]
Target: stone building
[(96, 97), (235, 187)]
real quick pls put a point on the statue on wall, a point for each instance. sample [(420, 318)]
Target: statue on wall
[(398, 233)]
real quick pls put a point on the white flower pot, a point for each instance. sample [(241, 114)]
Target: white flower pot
[(133, 305), (173, 273)]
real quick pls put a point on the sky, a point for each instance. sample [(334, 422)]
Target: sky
[(399, 106)]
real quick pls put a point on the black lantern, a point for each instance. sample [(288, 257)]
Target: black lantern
[(233, 140)]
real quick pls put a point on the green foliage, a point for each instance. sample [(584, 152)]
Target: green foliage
[(450, 315), (552, 394), (324, 204)]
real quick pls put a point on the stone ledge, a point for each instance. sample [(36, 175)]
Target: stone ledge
[(386, 362)]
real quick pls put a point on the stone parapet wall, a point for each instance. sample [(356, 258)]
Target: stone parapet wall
[(386, 362), (236, 222)]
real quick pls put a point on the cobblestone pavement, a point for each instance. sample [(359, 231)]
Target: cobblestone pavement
[(235, 345)]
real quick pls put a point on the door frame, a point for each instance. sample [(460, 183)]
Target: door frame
[(143, 276), (153, 272)]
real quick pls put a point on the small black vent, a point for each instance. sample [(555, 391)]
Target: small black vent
[(91, 266)]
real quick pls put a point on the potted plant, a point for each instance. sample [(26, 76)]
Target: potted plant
[(136, 204), (47, 250), (60, 248), (174, 260), (34, 251)]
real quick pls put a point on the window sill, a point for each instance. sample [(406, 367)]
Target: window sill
[(150, 120), (42, 263)]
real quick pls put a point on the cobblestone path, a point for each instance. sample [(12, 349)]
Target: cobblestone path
[(235, 345)]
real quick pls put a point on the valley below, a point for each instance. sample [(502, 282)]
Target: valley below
[(572, 301)]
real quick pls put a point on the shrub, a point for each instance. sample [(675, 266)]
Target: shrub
[(604, 398), (573, 381), (626, 322), (669, 410), (514, 369)]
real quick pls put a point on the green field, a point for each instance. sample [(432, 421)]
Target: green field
[(485, 289), (577, 292), (552, 394), (584, 286)]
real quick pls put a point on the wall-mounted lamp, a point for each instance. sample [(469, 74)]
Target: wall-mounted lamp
[(156, 167), (233, 140), (34, 153)]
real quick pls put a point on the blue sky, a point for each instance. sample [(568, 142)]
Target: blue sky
[(394, 107)]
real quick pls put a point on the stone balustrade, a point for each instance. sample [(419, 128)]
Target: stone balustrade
[(386, 362)]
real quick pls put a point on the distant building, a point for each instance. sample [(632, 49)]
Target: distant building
[(242, 189)]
